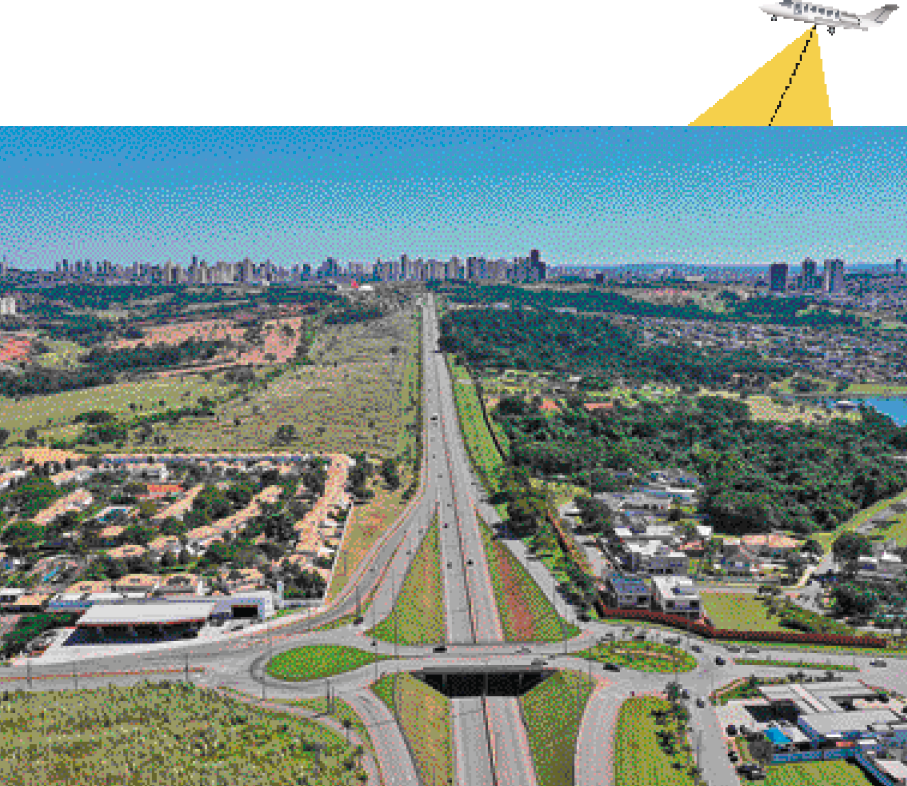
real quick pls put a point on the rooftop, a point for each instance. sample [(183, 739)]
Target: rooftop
[(146, 613), (627, 585), (826, 723)]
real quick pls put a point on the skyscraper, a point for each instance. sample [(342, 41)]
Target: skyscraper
[(537, 268), (834, 276), (809, 278), (777, 277), (898, 267)]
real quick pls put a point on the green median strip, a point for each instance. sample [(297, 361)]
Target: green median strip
[(793, 664), (319, 662), (418, 615), (641, 656), (553, 712), (650, 746)]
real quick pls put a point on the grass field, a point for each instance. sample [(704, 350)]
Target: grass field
[(638, 756), (63, 354), (553, 711), (62, 408), (526, 612), (763, 408), (816, 773), (347, 400), (342, 712), (897, 531), (641, 656), (738, 611), (418, 614), (317, 662), (424, 716), (151, 735)]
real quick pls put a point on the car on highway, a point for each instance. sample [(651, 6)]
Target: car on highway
[(719, 660), (733, 755), (685, 693), (696, 648), (435, 417), (731, 730), (469, 562), (610, 667), (540, 662), (700, 702), (449, 564), (752, 650), (524, 651), (440, 648), (732, 648), (877, 662)]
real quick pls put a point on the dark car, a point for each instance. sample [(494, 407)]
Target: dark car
[(610, 667), (696, 648), (719, 660), (469, 562), (700, 702), (731, 730), (685, 693), (732, 755), (440, 648), (449, 564), (524, 651)]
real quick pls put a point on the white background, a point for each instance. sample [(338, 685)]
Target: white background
[(563, 62)]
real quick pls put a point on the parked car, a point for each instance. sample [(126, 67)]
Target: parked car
[(732, 755), (731, 730)]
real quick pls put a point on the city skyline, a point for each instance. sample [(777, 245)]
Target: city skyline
[(615, 196)]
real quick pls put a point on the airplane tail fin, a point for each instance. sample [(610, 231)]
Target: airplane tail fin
[(878, 16)]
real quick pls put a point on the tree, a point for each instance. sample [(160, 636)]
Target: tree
[(762, 750), (31, 434), (4, 435), (390, 473), (850, 546)]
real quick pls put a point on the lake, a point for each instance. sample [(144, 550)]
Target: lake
[(894, 407)]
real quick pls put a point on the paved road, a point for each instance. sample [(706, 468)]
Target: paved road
[(509, 742), (396, 764), (472, 758)]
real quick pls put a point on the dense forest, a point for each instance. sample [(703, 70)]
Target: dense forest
[(791, 312), (592, 346), (757, 475)]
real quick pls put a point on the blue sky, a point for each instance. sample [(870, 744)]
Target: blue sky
[(582, 196)]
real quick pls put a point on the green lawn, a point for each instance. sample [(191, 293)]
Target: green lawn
[(526, 612), (418, 614), (738, 611), (639, 759), (641, 656), (897, 531), (317, 662), (553, 711), (816, 773)]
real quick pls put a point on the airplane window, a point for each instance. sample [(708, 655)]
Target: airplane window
[(797, 8)]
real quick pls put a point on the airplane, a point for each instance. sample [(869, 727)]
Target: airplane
[(823, 15)]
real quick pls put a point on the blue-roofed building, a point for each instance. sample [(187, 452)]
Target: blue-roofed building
[(624, 591)]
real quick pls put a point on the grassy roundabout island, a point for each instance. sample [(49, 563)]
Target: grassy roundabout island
[(319, 662), (641, 656)]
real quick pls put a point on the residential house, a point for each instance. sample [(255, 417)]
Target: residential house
[(129, 551), (108, 536), (626, 592), (181, 584), (657, 559), (241, 578), (31, 602), (76, 475), (201, 538), (88, 587), (78, 500), (166, 544), (738, 561), (677, 595), (137, 584), (179, 508), (771, 546), (162, 490)]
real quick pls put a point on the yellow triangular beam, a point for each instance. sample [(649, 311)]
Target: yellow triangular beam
[(789, 90)]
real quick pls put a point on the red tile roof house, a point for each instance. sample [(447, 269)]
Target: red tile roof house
[(159, 490)]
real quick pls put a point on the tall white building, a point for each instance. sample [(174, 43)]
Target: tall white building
[(7, 307)]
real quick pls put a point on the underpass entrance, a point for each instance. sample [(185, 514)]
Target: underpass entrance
[(464, 682)]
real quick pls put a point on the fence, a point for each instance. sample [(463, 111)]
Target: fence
[(707, 631), (814, 755)]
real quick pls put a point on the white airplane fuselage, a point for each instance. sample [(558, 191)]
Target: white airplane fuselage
[(819, 14)]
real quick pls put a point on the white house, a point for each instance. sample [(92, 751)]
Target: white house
[(677, 595)]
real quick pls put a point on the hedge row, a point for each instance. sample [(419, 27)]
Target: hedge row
[(709, 632)]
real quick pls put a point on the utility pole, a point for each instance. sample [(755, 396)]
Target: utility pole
[(186, 667), (75, 676), (28, 669)]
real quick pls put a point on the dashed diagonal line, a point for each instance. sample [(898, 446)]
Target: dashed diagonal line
[(790, 81)]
